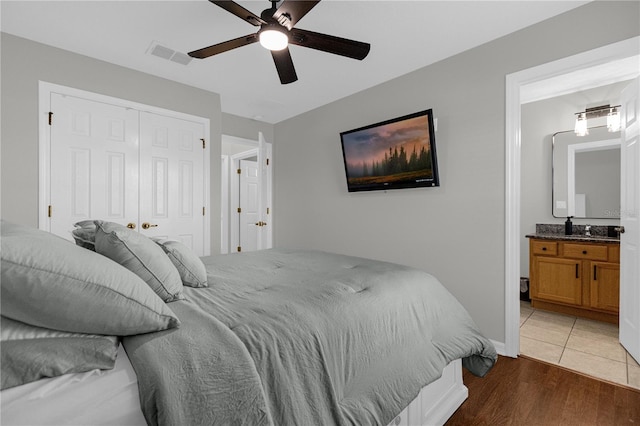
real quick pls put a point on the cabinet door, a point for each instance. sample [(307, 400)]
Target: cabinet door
[(605, 286), (558, 280)]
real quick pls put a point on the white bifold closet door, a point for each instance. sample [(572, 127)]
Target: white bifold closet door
[(136, 168), (171, 179)]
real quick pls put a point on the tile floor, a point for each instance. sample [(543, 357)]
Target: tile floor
[(580, 344)]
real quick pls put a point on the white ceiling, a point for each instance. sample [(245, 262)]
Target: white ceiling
[(404, 36)]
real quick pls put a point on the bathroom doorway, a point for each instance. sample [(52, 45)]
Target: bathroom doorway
[(519, 85)]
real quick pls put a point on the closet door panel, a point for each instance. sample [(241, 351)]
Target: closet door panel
[(172, 167), (94, 163)]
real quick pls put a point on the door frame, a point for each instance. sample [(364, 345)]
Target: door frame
[(515, 84), (224, 204), (263, 150), (45, 89)]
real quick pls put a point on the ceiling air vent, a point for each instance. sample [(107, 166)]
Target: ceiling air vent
[(164, 52), (181, 58)]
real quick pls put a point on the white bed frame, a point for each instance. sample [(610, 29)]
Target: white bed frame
[(436, 402), (54, 401)]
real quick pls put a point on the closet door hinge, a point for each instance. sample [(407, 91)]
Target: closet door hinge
[(239, 171), (267, 161), (50, 117), (49, 209), (239, 210), (203, 211), (239, 249), (267, 210), (204, 144)]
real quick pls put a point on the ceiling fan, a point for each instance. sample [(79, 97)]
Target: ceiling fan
[(277, 32)]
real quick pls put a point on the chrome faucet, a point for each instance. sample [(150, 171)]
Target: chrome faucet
[(587, 230)]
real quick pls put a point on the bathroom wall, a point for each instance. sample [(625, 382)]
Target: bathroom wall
[(540, 120)]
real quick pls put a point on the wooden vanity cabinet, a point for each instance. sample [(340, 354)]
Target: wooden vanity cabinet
[(575, 278)]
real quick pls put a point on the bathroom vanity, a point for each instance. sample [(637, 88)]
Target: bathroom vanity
[(575, 274)]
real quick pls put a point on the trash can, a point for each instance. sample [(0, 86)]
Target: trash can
[(524, 289)]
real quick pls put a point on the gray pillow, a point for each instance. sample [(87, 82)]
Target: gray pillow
[(191, 269), (50, 282), (32, 353), (85, 234), (140, 255)]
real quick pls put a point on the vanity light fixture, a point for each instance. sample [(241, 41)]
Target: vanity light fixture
[(613, 120), (581, 128), (611, 112)]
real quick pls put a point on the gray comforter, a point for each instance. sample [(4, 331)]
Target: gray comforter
[(302, 338)]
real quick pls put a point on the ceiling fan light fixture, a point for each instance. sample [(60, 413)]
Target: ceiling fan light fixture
[(272, 37)]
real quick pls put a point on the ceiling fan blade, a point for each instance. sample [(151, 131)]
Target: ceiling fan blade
[(225, 46), (291, 11), (327, 43), (239, 11), (284, 65)]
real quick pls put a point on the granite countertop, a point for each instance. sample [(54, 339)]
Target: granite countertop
[(599, 234), (582, 238)]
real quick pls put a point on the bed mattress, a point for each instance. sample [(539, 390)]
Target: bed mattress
[(97, 397)]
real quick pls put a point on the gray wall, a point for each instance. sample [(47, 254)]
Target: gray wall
[(246, 128), (25, 62), (455, 231), (540, 120)]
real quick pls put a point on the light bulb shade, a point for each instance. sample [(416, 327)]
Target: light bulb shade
[(613, 120), (581, 128), (273, 38)]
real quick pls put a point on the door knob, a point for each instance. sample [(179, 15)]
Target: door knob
[(620, 229), (147, 225), (131, 225)]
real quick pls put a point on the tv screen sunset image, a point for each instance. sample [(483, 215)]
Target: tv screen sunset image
[(389, 154)]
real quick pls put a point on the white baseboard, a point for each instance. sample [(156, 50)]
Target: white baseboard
[(500, 347)]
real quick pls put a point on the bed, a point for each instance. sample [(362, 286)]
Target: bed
[(272, 337)]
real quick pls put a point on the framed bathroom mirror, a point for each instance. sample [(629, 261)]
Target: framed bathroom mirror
[(586, 174)]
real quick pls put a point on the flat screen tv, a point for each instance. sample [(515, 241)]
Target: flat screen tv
[(393, 154)]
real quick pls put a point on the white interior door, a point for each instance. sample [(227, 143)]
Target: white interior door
[(249, 206), (171, 177), (93, 163), (629, 219)]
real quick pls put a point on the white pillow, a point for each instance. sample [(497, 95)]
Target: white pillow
[(50, 282), (141, 256), (85, 234), (191, 269)]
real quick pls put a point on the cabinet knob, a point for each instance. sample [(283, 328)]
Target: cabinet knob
[(584, 252), (544, 249)]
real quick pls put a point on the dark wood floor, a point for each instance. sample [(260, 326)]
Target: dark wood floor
[(525, 392)]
